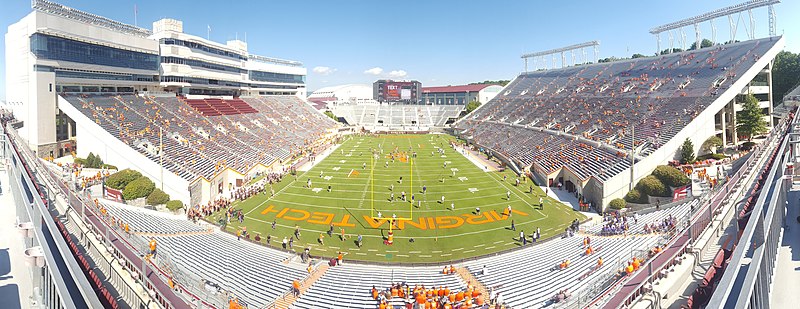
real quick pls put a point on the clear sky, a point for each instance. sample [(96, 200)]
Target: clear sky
[(445, 42)]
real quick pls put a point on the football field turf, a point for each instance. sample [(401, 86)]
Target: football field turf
[(427, 230)]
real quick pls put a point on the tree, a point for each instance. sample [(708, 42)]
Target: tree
[(703, 44), (472, 105), (750, 121), (174, 205), (617, 204), (122, 178), (687, 152), (785, 74), (651, 186), (637, 55), (502, 82), (674, 50), (330, 114), (157, 197), (670, 176), (138, 188), (634, 196), (711, 144)]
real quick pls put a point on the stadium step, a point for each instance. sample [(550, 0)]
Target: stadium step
[(469, 278), (288, 299)]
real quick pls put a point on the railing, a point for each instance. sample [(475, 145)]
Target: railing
[(118, 246), (752, 263), (701, 219)]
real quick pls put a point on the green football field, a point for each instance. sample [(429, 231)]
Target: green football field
[(427, 230)]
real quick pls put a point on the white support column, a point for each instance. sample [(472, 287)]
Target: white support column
[(658, 43), (713, 32), (752, 25), (697, 37), (733, 27)]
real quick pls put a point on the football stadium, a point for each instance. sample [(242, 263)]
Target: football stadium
[(149, 167)]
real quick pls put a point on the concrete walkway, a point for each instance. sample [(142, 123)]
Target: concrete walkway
[(787, 265), (15, 278)]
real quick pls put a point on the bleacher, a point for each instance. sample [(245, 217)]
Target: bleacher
[(398, 116), (602, 102), (677, 212), (527, 279), (349, 285), (220, 134), (253, 273), (152, 222)]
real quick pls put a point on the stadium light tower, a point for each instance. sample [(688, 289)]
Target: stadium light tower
[(553, 54), (729, 11)]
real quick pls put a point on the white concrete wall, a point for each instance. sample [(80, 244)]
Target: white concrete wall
[(93, 138), (488, 93)]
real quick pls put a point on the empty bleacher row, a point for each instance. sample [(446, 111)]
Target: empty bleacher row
[(349, 285), (527, 278), (233, 137), (143, 221), (602, 102), (251, 272), (381, 115)]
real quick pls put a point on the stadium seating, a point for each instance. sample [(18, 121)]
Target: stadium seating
[(601, 102), (210, 134), (349, 285), (140, 220), (398, 116)]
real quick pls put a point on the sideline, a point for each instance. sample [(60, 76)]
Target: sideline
[(320, 157)]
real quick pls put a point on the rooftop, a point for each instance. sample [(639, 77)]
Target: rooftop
[(462, 88)]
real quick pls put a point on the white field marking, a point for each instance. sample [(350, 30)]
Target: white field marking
[(454, 169), (276, 193), (481, 245), (327, 177), (342, 161), (492, 247), (444, 156), (424, 256), (468, 251), (336, 168), (396, 196), (499, 241), (514, 191), (473, 190), (463, 179), (316, 190), (504, 202), (360, 253), (403, 255), (447, 254), (372, 250), (413, 252), (458, 249), (447, 162), (437, 251), (348, 155)]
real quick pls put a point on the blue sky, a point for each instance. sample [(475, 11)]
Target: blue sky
[(436, 42)]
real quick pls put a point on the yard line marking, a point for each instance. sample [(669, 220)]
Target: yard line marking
[(424, 256), (393, 251), (492, 247), (499, 241), (403, 255), (447, 254), (458, 249), (415, 252), (481, 245), (372, 250), (468, 251), (436, 251), (359, 253)]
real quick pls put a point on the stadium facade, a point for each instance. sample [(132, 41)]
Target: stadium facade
[(56, 49), (57, 52)]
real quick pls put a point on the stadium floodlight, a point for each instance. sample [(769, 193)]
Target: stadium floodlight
[(726, 11), (560, 51)]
